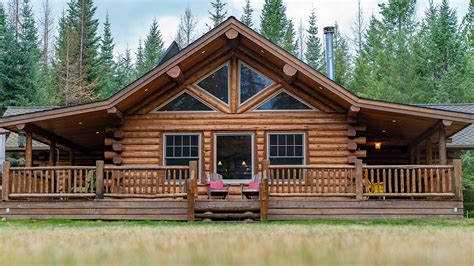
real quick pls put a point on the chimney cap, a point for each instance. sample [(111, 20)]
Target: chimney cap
[(329, 29)]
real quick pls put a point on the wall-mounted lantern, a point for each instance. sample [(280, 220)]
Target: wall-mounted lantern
[(21, 139), (378, 145)]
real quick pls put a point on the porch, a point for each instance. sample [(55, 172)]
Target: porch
[(287, 192)]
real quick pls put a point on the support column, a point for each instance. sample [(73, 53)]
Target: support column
[(443, 158), (52, 153), (417, 155), (29, 150), (429, 152)]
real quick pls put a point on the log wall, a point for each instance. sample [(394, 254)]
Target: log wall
[(139, 141)]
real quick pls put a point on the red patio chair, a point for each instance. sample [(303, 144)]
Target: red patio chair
[(216, 187), (252, 189)]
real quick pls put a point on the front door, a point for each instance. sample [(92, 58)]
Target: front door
[(233, 157)]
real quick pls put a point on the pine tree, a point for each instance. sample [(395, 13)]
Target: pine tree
[(313, 54), (81, 18), (247, 14), (29, 54), (153, 47), (301, 40), (186, 29), (14, 10), (289, 42), (124, 71), (10, 93), (66, 79), (358, 30), (46, 93), (442, 62), (218, 15), (388, 52), (140, 69), (106, 86), (343, 66), (273, 22)]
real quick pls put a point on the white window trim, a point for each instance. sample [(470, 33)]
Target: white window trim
[(252, 135), (311, 107), (287, 133), (228, 83), (240, 77), (184, 134), (156, 110)]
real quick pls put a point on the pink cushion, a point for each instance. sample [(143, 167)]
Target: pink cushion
[(216, 185), (254, 185)]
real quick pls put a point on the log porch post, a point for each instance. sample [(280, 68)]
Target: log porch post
[(29, 150), (99, 183), (429, 152), (457, 179), (264, 192), (6, 181), (442, 147), (191, 190), (52, 153), (358, 179)]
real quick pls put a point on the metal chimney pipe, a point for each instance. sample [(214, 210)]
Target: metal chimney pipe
[(330, 64)]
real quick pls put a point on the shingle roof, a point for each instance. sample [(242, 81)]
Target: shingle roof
[(12, 139), (464, 139)]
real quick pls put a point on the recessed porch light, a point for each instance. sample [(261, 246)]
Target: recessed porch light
[(394, 121), (146, 90), (384, 131), (203, 52), (80, 123), (97, 132)]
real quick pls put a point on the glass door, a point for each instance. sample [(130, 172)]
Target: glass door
[(234, 156)]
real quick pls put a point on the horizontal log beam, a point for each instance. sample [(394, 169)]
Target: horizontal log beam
[(289, 73), (115, 112), (176, 74)]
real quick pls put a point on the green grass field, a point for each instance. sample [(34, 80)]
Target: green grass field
[(275, 243)]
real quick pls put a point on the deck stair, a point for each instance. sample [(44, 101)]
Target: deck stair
[(227, 210)]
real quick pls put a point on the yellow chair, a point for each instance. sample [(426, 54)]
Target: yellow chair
[(375, 187)]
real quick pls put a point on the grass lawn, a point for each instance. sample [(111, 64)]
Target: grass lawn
[(273, 243)]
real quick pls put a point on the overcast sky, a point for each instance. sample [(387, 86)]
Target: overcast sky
[(131, 19)]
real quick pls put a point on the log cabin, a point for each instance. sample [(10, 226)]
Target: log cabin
[(233, 103)]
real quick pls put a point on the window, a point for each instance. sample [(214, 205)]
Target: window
[(283, 101), (251, 82), (286, 149), (217, 84), (181, 149), (184, 102)]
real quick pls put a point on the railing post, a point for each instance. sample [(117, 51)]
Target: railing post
[(99, 182), (457, 179), (358, 179), (191, 183), (6, 181), (264, 192)]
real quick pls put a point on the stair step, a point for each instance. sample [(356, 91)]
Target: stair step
[(228, 208), (228, 216)]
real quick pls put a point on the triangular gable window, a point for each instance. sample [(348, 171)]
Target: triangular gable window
[(217, 84), (283, 101), (251, 82), (185, 102)]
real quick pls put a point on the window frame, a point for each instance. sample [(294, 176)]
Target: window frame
[(311, 107), (240, 77), (252, 135), (303, 134), (184, 134), (156, 110), (229, 83)]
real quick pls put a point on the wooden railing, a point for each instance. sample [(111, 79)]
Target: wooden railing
[(54, 181), (311, 180), (145, 181), (411, 180)]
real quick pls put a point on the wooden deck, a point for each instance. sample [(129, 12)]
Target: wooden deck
[(304, 192), (176, 210)]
